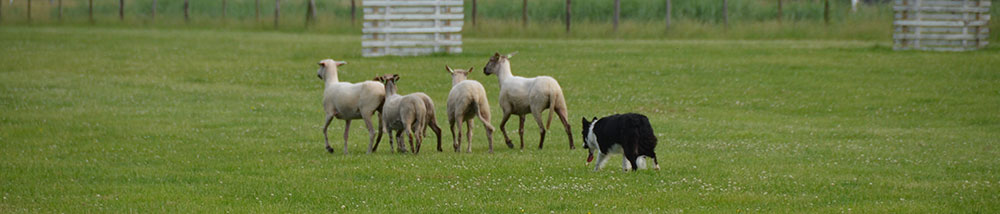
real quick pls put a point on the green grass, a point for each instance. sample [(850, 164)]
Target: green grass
[(145, 120)]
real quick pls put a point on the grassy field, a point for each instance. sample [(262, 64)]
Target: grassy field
[(146, 120)]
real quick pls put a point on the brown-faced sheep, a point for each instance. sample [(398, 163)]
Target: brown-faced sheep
[(520, 96), (403, 114)]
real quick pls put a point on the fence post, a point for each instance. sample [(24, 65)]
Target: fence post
[(121, 10), (618, 8), (524, 13), (854, 6), (59, 7), (187, 9), (311, 12), (725, 13), (256, 10), (779, 11), (29, 11), (668, 14), (223, 10), (277, 12), (90, 10), (568, 13), (1, 10), (826, 11), (152, 9), (353, 9), (473, 13)]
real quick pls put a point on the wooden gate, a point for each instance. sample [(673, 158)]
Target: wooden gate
[(411, 27), (941, 25)]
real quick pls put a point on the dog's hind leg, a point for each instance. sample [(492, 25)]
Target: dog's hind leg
[(626, 165), (641, 162)]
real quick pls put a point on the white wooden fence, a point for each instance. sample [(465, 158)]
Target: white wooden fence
[(941, 25), (411, 27)]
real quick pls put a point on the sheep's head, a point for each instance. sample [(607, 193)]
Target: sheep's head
[(493, 66), (457, 75), (387, 78), (328, 64)]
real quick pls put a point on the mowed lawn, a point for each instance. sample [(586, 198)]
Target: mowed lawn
[(147, 120)]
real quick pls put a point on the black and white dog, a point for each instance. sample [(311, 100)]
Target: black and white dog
[(629, 133)]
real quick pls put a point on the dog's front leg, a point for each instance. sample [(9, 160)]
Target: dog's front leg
[(626, 165), (601, 160)]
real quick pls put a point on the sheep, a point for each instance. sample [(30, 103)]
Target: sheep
[(404, 114), (349, 101), (431, 119), (520, 96), (466, 99)]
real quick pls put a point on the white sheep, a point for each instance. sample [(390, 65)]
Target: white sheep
[(466, 100), (520, 96), (403, 114), (349, 101)]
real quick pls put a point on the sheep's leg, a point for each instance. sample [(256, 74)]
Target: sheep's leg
[(454, 138), (409, 136), (347, 129), (503, 129), (458, 147), (468, 135), (329, 118), (389, 138), (541, 128), (569, 131), (437, 132), (400, 145), (484, 116), (371, 132), (520, 129), (380, 130)]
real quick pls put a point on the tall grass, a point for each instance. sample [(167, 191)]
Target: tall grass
[(748, 19)]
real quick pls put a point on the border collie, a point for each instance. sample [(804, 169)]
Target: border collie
[(629, 133)]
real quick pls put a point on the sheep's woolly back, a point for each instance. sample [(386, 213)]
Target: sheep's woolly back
[(352, 100), (467, 96)]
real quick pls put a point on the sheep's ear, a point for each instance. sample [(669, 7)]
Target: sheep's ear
[(511, 54), (470, 69), (449, 69), (395, 77), (341, 63), (321, 64), (378, 78)]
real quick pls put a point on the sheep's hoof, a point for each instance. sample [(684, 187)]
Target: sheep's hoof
[(509, 144), (329, 149)]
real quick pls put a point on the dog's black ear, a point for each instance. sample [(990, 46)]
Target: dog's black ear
[(595, 118), (585, 122)]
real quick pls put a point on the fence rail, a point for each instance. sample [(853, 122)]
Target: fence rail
[(941, 25), (411, 27)]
